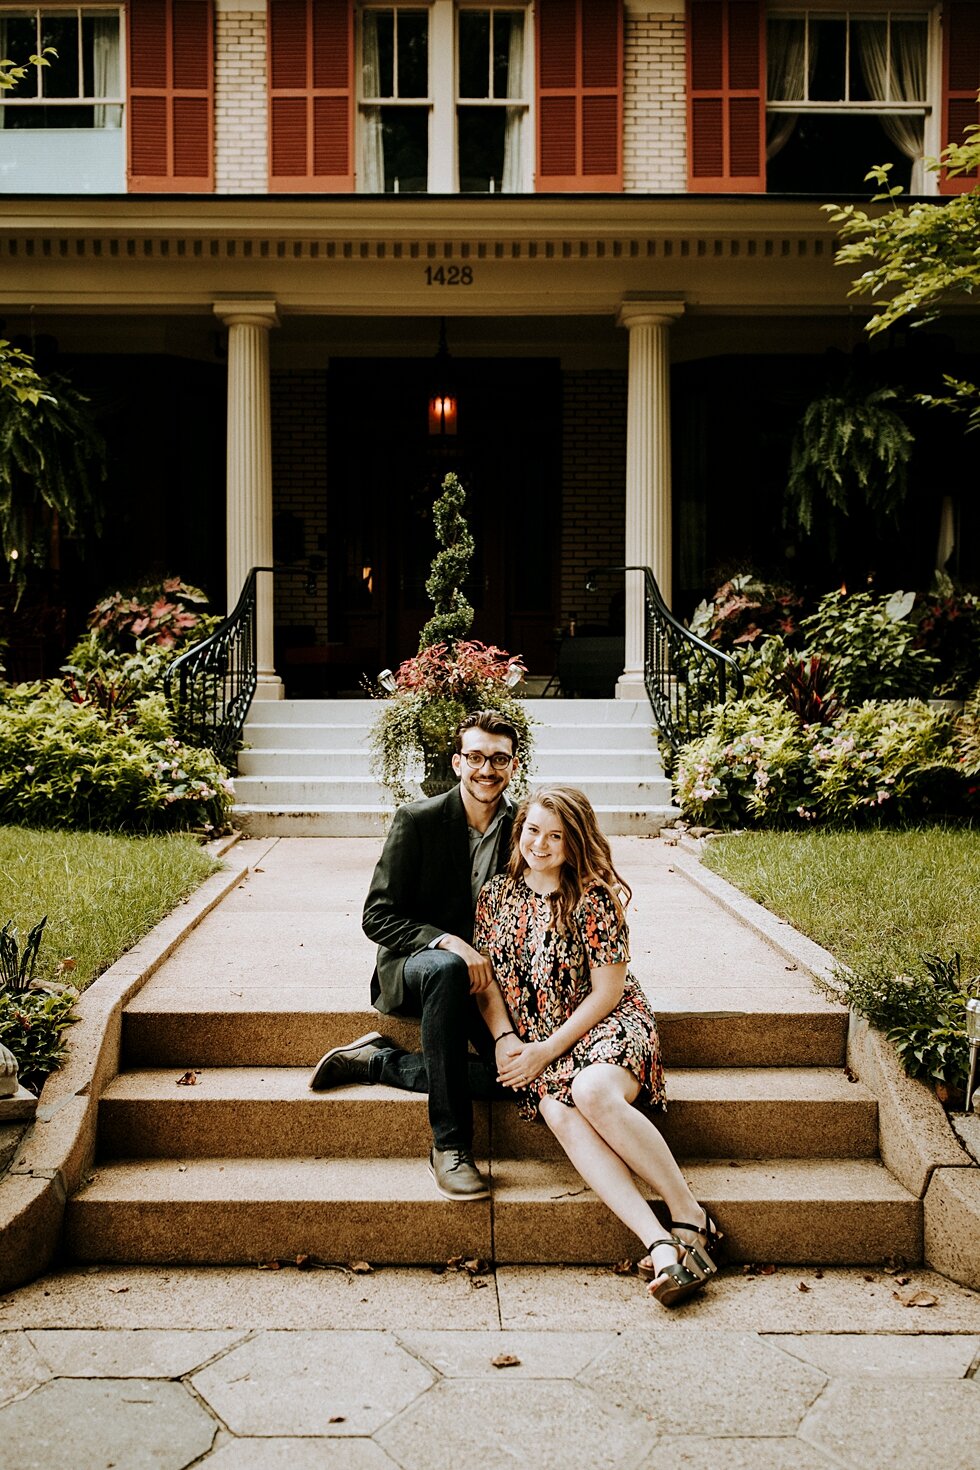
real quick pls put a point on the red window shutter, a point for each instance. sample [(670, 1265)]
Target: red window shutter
[(961, 82), (311, 96), (171, 96), (726, 103), (579, 95)]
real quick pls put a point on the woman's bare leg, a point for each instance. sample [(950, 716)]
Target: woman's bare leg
[(604, 1094), (603, 1170)]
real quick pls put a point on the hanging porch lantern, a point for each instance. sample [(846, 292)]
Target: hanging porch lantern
[(442, 400)]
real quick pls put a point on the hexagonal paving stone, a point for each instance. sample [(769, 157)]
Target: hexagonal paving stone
[(91, 1423), (284, 1383), (539, 1423), (302, 1454), (876, 1426), (541, 1354), (693, 1382), (20, 1366), (125, 1353), (856, 1354), (688, 1453)]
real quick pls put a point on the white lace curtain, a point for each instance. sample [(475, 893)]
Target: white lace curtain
[(785, 55), (908, 84), (372, 144), (106, 81), (512, 181)]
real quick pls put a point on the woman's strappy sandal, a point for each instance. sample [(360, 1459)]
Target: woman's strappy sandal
[(708, 1243), (701, 1251), (678, 1281)]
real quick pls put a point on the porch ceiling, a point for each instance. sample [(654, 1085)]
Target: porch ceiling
[(537, 256)]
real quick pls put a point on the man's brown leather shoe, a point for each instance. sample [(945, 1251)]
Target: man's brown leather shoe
[(351, 1063)]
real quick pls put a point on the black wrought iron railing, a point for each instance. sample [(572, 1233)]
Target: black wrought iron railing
[(210, 687), (683, 675)]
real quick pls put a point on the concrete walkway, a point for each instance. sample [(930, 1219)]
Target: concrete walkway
[(350, 1369)]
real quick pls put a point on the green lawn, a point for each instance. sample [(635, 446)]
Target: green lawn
[(871, 898), (101, 893)]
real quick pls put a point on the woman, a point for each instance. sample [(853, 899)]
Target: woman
[(573, 1033)]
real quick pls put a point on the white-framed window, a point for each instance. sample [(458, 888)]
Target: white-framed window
[(444, 98), (82, 86), (849, 87)]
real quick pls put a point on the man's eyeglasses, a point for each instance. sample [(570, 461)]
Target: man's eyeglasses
[(476, 758)]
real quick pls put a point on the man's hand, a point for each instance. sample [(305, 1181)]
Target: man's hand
[(481, 971)]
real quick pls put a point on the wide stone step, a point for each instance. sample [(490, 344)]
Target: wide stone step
[(244, 1112), (239, 1211), (344, 763), (280, 1027), (550, 738), (319, 819), (329, 789)]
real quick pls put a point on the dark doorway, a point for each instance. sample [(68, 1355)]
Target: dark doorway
[(384, 472)]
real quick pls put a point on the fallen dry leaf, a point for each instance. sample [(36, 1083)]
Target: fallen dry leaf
[(802, 1286), (475, 1266), (65, 966), (748, 1269), (189, 1079), (866, 1277), (791, 967), (849, 1075), (916, 1299), (304, 1263), (624, 1268), (118, 1290), (478, 1284), (818, 1275), (902, 1280), (767, 1270), (505, 1360), (337, 1419), (361, 1268), (269, 1265)]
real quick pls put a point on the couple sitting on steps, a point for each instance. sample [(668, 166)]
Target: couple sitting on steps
[(507, 929)]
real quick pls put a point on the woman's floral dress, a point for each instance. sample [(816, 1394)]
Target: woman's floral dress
[(543, 975)]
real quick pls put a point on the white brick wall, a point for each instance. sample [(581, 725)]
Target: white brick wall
[(240, 91), (655, 114)]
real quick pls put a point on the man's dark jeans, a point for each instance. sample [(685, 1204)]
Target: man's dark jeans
[(437, 988)]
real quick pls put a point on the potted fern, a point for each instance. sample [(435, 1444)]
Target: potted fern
[(451, 676)]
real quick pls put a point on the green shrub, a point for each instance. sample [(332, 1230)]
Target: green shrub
[(69, 765), (870, 644), (891, 759), (32, 1023), (949, 629), (752, 765), (924, 1015)]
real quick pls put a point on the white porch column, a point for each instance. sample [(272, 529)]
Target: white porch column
[(249, 474), (648, 484)]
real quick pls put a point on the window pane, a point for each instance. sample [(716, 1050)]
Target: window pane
[(785, 53), (474, 53), (100, 56), (481, 149), (78, 116), (910, 39), (413, 53), (61, 78), (378, 70), (869, 61), (828, 40), (405, 144), (18, 42), (508, 55)]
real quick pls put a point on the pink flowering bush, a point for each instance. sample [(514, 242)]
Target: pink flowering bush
[(461, 672), (160, 616)]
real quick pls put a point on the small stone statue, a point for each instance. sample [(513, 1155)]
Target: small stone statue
[(8, 1073)]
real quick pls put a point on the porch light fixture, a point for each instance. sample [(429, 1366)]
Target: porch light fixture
[(442, 401), (387, 681), (973, 1037), (513, 676)]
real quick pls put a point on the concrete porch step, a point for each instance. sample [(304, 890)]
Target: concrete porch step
[(317, 819), (387, 1211), (341, 763), (283, 1027), (243, 1112)]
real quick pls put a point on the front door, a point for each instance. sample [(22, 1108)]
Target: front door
[(384, 472)]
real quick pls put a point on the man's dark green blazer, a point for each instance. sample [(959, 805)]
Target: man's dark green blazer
[(421, 888)]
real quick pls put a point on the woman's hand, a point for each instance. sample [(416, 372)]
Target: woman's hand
[(521, 1062)]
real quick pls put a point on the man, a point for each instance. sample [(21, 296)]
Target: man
[(419, 911)]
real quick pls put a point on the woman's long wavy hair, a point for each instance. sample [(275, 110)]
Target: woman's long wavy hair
[(588, 859)]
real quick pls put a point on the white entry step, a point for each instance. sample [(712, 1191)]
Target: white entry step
[(305, 770)]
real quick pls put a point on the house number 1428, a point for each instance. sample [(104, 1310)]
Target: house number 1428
[(449, 275)]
